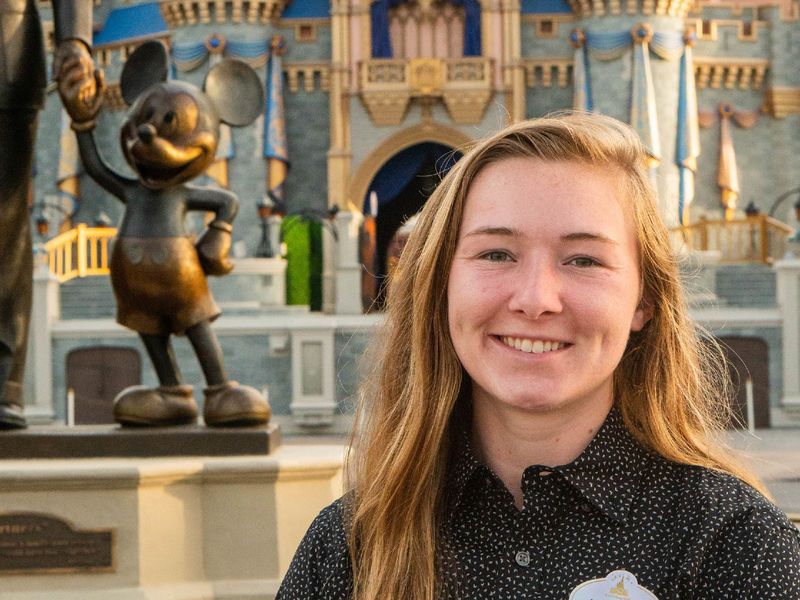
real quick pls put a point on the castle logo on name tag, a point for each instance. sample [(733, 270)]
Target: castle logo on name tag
[(618, 585)]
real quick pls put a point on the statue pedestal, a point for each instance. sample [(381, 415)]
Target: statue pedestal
[(181, 528), (102, 441)]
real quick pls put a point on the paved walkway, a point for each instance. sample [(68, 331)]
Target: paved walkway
[(774, 454)]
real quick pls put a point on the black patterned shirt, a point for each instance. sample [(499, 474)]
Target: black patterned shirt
[(618, 520)]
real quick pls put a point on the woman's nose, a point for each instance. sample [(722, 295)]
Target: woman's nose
[(536, 290)]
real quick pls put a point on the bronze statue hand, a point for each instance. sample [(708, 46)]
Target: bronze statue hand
[(80, 85), (213, 248)]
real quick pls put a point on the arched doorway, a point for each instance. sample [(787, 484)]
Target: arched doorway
[(397, 192)]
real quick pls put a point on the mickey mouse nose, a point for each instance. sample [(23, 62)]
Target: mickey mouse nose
[(146, 132)]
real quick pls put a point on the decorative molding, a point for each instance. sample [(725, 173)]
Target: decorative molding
[(744, 73), (128, 45), (426, 132), (386, 86), (178, 13), (789, 10), (708, 30), (782, 101), (308, 70), (540, 71), (599, 8), (467, 106), (386, 107), (293, 22), (546, 24)]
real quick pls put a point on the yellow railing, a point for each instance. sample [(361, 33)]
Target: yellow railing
[(758, 239), (80, 252)]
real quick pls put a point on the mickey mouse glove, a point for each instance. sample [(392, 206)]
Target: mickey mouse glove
[(213, 248)]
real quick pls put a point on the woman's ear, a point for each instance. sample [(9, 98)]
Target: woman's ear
[(644, 312), (145, 67), (236, 91)]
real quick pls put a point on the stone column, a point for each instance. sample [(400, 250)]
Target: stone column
[(339, 153), (348, 265), (514, 73), (788, 290)]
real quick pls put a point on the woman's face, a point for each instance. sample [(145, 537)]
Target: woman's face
[(544, 287)]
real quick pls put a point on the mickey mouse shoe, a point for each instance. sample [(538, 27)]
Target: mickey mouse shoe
[(232, 405), (166, 405)]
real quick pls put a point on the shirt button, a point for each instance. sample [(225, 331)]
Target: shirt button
[(523, 558)]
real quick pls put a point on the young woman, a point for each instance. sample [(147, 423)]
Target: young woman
[(541, 421)]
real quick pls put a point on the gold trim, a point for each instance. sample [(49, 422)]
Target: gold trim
[(369, 167)]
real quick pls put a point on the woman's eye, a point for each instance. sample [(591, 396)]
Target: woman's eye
[(496, 256), (584, 261)]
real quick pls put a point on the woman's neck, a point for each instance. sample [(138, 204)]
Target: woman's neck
[(510, 440)]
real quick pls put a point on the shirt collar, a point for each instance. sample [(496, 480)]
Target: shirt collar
[(608, 473)]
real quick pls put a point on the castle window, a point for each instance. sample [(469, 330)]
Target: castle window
[(305, 32), (546, 28)]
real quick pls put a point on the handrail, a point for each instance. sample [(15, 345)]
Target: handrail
[(80, 252), (757, 239)]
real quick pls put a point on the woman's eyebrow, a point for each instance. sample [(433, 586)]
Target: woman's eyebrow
[(587, 236), (488, 230)]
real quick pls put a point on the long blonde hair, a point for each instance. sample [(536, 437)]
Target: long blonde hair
[(669, 385)]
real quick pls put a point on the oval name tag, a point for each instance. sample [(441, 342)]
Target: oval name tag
[(618, 585)]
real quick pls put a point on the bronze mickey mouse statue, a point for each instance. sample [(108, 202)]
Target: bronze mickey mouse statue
[(157, 273)]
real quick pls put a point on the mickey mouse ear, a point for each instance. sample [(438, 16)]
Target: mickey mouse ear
[(146, 66), (236, 91)]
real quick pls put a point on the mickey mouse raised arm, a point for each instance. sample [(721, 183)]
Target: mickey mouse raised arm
[(158, 275)]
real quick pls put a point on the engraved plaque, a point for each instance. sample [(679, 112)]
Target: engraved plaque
[(39, 543)]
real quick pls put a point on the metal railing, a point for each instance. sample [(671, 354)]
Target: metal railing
[(80, 252), (757, 239)]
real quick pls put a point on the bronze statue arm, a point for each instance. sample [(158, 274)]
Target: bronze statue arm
[(73, 20), (215, 244), (105, 176), (222, 203)]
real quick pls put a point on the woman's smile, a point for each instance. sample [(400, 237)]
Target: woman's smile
[(534, 346)]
